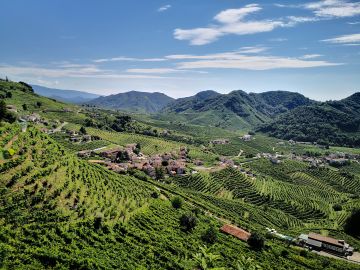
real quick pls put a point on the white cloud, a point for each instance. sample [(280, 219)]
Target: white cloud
[(60, 72), (130, 59), (334, 8), (278, 39), (152, 70), (253, 49), (164, 8), (236, 60), (353, 23), (310, 56), (232, 21), (346, 39)]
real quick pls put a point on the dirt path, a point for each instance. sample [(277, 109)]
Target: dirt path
[(9, 144), (58, 129)]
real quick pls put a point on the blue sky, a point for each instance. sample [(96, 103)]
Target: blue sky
[(182, 47)]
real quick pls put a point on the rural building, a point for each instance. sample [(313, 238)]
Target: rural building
[(220, 141), (246, 138), (318, 242), (236, 232)]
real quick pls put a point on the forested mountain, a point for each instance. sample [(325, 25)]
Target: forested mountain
[(236, 109), (72, 96), (334, 122), (133, 101)]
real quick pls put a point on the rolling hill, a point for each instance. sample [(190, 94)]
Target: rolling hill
[(134, 101), (334, 122), (71, 96), (236, 110)]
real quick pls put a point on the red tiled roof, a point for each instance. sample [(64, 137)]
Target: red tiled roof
[(235, 231)]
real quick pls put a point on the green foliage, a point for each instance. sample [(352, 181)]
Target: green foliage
[(256, 241), (188, 222), (211, 235), (352, 223), (82, 130), (177, 202)]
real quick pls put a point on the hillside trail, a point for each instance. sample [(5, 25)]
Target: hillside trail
[(9, 144), (58, 129), (240, 153)]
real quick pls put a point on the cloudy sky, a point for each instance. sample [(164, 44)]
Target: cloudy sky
[(183, 47)]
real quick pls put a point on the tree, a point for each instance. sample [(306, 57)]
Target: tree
[(177, 202), (122, 156), (159, 173), (24, 106), (352, 224), (8, 94), (138, 146), (38, 104), (256, 241), (188, 222), (82, 130), (337, 207), (5, 115), (211, 235), (98, 220)]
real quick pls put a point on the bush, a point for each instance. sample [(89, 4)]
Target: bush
[(352, 223), (337, 207), (303, 253), (284, 253), (188, 222), (211, 235), (155, 195), (98, 220), (177, 202), (82, 130), (256, 241)]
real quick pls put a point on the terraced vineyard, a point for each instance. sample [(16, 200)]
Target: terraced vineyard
[(49, 177), (288, 196)]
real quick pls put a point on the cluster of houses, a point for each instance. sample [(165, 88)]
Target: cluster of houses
[(334, 159), (75, 137), (220, 141), (121, 159)]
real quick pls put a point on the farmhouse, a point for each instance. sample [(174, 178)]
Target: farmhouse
[(319, 242), (246, 138), (220, 141), (111, 153), (236, 232)]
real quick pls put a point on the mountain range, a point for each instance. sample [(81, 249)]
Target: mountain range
[(72, 96)]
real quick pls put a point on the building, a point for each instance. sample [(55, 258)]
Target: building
[(236, 232), (318, 242), (220, 141), (246, 138)]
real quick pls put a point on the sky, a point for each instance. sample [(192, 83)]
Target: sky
[(183, 47)]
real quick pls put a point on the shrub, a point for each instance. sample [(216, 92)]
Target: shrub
[(211, 235), (155, 195), (284, 253), (188, 222), (352, 223), (303, 253), (177, 202), (256, 241), (82, 130), (337, 207), (98, 220)]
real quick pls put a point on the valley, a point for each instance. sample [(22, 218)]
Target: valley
[(91, 188)]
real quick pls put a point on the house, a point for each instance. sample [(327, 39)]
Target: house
[(111, 153), (87, 138), (75, 139), (220, 141), (274, 160), (318, 242), (84, 153), (246, 138), (33, 118), (236, 232)]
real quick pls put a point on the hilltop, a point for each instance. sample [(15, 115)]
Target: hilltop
[(134, 101)]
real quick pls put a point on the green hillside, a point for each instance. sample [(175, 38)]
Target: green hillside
[(236, 110), (333, 122), (133, 101)]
